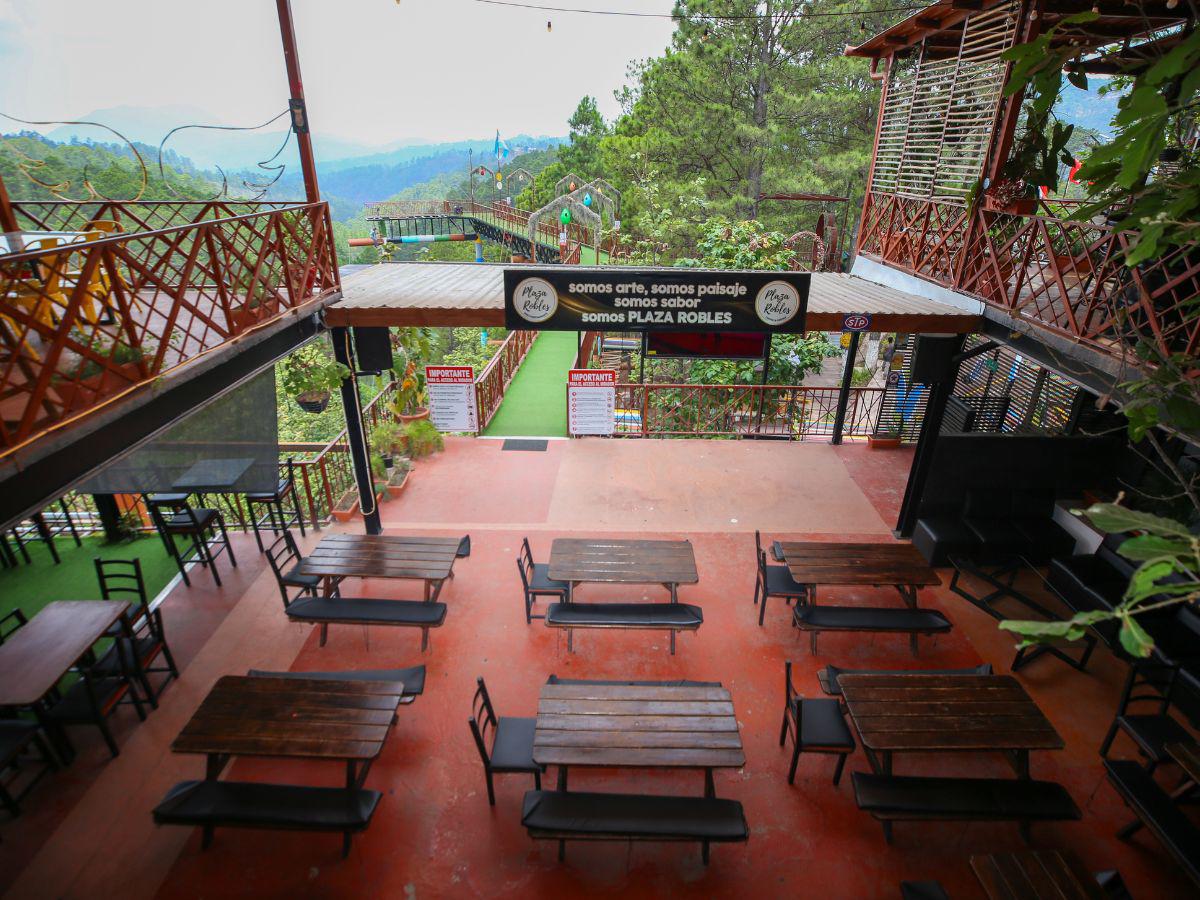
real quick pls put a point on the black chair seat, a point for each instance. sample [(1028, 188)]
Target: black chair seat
[(869, 618), (512, 750), (1086, 583), (464, 547), (109, 665), (76, 707), (680, 682), (634, 816), (968, 799), (828, 677), (624, 615), (938, 537), (182, 523), (781, 583), (293, 578), (1159, 812), (1153, 732), (540, 580), (822, 724), (169, 498), (413, 678), (15, 735), (1046, 538), (275, 496), (366, 611), (257, 805)]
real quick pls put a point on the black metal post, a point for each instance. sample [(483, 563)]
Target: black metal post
[(839, 420), (762, 382), (110, 515), (354, 431)]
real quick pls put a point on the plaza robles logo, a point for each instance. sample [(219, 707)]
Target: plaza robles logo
[(535, 300), (777, 302)]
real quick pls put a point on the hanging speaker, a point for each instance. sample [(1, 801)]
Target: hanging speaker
[(373, 348), (933, 357)]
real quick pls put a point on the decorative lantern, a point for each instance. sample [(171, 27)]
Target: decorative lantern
[(565, 217), (571, 186), (587, 199)]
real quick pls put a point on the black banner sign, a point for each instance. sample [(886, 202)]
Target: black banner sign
[(574, 298)]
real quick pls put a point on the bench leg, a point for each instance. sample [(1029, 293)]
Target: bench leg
[(324, 633), (812, 643), (1026, 834), (424, 639), (570, 636), (672, 642), (912, 643), (887, 832), (841, 764), (206, 837), (704, 851), (562, 850), (347, 837)]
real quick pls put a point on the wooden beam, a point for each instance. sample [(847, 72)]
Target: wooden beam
[(8, 219)]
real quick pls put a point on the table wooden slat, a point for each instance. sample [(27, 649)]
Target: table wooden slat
[(829, 563), (302, 718), (622, 561), (34, 658), (382, 556), (933, 712), (1033, 875), (659, 726)]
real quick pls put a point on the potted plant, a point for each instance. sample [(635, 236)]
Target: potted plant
[(399, 477), (384, 438), (886, 436), (410, 346), (346, 506), (422, 438), (309, 375), (1011, 195)]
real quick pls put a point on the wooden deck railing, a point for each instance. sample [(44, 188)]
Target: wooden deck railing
[(739, 410), (1061, 275), (83, 323), (496, 376)]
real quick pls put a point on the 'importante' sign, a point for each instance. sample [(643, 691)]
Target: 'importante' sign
[(572, 298)]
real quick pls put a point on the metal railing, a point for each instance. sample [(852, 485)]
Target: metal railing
[(739, 410), (1062, 275), (84, 322), (496, 376)]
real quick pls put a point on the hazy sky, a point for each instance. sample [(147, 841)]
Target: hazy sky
[(374, 70)]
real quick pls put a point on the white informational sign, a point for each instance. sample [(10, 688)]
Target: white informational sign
[(451, 391), (591, 399)]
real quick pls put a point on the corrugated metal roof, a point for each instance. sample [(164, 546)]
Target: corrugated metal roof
[(447, 294)]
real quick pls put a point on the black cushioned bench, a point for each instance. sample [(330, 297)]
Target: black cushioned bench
[(815, 619), (571, 816), (672, 617), (413, 678), (828, 677), (892, 798), (326, 611), (234, 804), (1155, 808)]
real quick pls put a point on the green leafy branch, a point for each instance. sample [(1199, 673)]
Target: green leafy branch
[(1169, 561)]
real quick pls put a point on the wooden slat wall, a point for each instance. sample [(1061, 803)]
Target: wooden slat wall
[(939, 113)]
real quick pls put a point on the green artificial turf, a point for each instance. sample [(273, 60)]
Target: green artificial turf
[(535, 404), (30, 586)]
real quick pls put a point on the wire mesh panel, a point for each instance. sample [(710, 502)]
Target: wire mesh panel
[(230, 445)]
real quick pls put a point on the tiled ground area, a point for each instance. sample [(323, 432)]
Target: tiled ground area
[(87, 832)]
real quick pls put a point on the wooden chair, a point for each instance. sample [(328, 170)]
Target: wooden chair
[(536, 581), (174, 517), (773, 581), (511, 741), (277, 518), (1148, 684), (10, 622), (90, 700), (16, 736), (817, 726), (120, 578), (284, 558)]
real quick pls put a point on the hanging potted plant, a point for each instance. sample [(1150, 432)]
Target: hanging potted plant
[(309, 375)]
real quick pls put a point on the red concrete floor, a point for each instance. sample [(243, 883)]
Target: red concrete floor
[(434, 834)]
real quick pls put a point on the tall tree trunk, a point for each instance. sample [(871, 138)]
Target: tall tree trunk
[(758, 149)]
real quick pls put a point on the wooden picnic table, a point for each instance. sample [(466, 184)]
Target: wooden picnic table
[(899, 713), (292, 718), (36, 656), (1033, 875), (615, 561), (831, 563), (630, 726), (428, 559)]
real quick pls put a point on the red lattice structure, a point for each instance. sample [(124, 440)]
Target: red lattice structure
[(86, 317)]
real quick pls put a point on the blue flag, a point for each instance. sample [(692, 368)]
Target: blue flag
[(501, 147)]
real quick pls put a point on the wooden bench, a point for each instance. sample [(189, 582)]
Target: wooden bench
[(828, 677), (671, 617), (412, 678), (326, 611), (895, 798), (1155, 808), (913, 622), (234, 804), (569, 816)]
